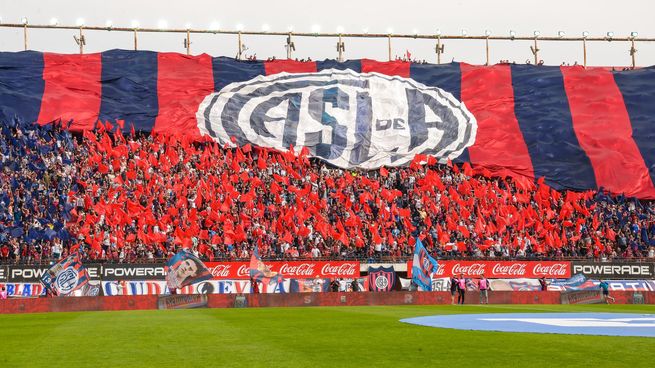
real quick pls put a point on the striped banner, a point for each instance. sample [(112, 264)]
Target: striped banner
[(578, 128)]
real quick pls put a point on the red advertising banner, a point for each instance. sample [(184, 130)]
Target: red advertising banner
[(502, 269), (288, 269)]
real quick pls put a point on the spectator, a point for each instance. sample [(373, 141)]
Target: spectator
[(461, 289), (453, 289), (483, 285), (143, 197), (604, 286)]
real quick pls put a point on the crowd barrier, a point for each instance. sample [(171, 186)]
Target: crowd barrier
[(301, 269), (145, 302)]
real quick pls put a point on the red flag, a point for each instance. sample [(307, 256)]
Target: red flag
[(102, 168), (465, 232), (383, 172), (468, 170), (89, 135), (261, 160)]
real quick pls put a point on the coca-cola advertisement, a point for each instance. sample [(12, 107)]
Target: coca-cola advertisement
[(288, 269), (502, 269)]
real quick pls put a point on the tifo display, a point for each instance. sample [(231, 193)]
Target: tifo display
[(285, 176)]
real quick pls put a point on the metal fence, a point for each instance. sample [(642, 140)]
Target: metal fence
[(438, 38), (364, 260)]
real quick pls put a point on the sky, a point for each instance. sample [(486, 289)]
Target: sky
[(378, 16)]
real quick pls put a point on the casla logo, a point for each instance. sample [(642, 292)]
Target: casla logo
[(66, 281), (349, 119)]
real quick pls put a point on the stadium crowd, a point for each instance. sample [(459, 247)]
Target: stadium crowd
[(142, 197)]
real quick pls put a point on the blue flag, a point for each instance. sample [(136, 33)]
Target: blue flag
[(423, 266), (66, 276), (259, 271)]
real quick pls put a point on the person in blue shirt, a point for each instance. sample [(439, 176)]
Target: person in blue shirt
[(606, 291)]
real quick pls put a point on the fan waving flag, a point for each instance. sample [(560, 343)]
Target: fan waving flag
[(185, 269), (66, 276), (259, 271), (423, 266), (578, 128)]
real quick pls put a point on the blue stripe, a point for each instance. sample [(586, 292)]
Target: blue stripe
[(544, 116), (227, 70), (639, 96), (21, 85), (355, 65), (129, 88), (445, 76)]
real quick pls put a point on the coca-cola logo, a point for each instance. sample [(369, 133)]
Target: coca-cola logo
[(344, 269), (243, 271), (513, 269), (441, 269), (303, 269), (221, 270), (555, 269), (474, 269)]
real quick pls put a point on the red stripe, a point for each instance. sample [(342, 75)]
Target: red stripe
[(182, 83), (400, 68), (499, 145), (72, 89), (602, 125), (289, 66)]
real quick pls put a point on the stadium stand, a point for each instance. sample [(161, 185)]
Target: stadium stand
[(143, 197)]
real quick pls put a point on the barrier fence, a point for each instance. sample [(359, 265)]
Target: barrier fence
[(308, 269), (149, 302), (439, 38), (230, 278)]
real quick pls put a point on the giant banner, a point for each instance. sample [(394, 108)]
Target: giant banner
[(502, 269), (579, 128)]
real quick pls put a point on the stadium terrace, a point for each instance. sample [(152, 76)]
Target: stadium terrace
[(140, 197)]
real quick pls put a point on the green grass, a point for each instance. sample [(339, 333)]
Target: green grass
[(304, 337)]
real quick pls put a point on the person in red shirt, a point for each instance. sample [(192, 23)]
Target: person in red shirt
[(4, 252)]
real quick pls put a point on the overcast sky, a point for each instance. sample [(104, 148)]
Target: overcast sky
[(475, 16)]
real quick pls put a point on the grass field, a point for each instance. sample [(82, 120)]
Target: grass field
[(304, 337)]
